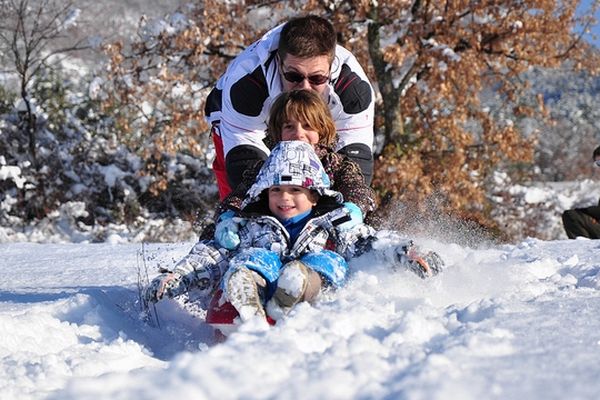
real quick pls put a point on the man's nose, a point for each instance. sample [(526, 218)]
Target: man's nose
[(305, 84)]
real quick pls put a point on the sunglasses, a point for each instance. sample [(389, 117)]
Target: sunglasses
[(295, 77)]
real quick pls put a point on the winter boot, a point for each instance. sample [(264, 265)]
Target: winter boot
[(242, 288), (296, 283)]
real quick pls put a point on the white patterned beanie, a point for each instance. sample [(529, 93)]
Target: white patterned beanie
[(292, 163)]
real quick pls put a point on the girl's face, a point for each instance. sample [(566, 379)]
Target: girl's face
[(287, 201), (296, 130)]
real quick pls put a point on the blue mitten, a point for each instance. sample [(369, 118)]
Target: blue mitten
[(226, 231), (355, 215)]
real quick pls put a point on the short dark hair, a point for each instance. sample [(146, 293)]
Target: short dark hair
[(596, 153), (307, 36)]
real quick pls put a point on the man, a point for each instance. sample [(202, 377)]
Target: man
[(584, 221), (300, 54)]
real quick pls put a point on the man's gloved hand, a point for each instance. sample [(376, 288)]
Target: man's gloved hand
[(226, 231), (424, 264), (355, 215), (167, 284)]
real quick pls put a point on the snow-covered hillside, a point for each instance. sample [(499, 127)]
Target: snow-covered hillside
[(501, 322)]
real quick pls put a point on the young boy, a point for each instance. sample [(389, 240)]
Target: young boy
[(287, 229), (290, 235)]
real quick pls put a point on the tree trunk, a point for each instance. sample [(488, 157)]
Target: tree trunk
[(394, 128), (30, 125)]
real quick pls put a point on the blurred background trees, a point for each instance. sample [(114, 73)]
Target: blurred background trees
[(431, 62), (466, 91)]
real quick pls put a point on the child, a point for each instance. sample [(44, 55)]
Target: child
[(288, 229), (296, 236), (290, 238)]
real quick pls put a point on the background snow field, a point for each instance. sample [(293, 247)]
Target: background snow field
[(501, 322)]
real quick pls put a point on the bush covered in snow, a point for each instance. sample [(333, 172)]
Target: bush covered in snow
[(79, 174)]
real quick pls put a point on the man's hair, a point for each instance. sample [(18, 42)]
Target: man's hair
[(306, 37), (596, 153), (304, 106)]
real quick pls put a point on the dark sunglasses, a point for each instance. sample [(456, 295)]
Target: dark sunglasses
[(295, 77)]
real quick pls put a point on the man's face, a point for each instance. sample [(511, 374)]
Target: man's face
[(305, 73)]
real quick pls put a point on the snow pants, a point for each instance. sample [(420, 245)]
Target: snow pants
[(330, 265)]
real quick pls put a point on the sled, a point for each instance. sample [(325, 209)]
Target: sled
[(223, 317)]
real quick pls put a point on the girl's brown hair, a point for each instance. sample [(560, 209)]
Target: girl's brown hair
[(305, 106)]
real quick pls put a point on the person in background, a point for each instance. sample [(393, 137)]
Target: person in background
[(584, 222), (300, 54)]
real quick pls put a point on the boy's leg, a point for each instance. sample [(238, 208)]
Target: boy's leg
[(297, 283), (330, 265), (250, 280), (301, 280), (242, 291)]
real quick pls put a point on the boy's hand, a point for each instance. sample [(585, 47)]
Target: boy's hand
[(355, 215), (226, 231), (168, 284)]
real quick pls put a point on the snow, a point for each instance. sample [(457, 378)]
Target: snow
[(12, 172), (500, 322)]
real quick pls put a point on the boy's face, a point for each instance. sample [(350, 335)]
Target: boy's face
[(296, 130), (287, 201)]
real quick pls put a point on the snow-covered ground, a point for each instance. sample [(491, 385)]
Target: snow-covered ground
[(501, 322)]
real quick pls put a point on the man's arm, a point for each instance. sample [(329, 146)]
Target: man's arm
[(354, 115)]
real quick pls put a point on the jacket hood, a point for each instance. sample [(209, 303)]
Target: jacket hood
[(292, 163)]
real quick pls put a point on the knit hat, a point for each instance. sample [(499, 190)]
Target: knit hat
[(292, 163)]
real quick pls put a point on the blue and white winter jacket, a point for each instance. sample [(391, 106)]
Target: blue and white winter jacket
[(321, 243), (295, 163)]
